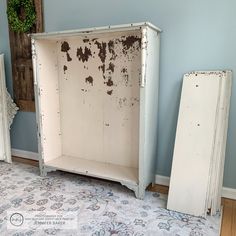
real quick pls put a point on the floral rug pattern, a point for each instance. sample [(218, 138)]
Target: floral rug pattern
[(103, 208)]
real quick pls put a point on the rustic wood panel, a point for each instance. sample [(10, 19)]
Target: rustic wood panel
[(22, 70)]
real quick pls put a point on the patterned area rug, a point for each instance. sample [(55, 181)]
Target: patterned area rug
[(102, 208)]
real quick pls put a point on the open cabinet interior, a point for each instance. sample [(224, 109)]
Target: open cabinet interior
[(87, 87)]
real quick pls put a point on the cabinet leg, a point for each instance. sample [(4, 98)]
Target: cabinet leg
[(140, 193), (43, 172)]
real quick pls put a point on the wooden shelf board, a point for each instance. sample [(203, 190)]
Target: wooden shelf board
[(97, 169)]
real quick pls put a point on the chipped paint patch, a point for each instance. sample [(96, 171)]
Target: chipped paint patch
[(89, 80), (111, 49), (83, 55), (130, 41), (102, 50), (102, 67), (109, 82), (65, 68), (65, 47), (109, 92), (125, 75), (85, 40), (111, 67)]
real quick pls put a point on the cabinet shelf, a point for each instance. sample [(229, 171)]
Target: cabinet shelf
[(96, 169)]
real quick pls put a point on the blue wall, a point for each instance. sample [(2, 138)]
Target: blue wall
[(23, 131), (197, 35)]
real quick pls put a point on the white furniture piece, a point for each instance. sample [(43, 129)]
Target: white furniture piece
[(8, 110), (199, 153), (96, 95)]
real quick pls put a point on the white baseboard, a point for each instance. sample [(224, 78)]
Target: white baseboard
[(162, 180), (229, 193), (24, 154), (226, 192)]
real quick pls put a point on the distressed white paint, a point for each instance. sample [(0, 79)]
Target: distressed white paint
[(196, 176), (5, 153), (11, 109), (87, 126)]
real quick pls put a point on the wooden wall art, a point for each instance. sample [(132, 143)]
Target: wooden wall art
[(21, 58)]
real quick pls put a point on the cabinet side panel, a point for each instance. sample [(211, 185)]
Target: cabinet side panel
[(151, 108), (47, 91)]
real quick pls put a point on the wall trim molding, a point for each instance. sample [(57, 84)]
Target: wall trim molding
[(25, 154), (162, 180), (229, 193), (226, 192)]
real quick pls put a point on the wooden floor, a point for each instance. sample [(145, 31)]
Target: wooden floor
[(228, 227)]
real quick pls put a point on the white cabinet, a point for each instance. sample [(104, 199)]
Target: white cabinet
[(97, 102)]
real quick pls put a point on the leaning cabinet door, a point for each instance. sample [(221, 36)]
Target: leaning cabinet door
[(5, 154)]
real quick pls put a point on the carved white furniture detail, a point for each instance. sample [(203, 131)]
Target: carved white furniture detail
[(8, 110), (96, 96), (11, 109)]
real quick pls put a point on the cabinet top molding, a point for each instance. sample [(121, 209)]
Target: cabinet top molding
[(94, 30)]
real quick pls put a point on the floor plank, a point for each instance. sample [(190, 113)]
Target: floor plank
[(226, 227), (25, 161), (234, 220)]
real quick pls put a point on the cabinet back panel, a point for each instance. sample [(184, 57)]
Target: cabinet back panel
[(99, 97)]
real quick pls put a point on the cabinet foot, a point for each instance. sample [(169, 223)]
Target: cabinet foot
[(140, 193)]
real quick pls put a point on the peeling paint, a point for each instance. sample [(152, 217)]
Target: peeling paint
[(85, 40), (122, 102), (111, 67), (109, 92), (68, 57), (65, 48), (111, 49), (65, 68), (102, 50), (129, 42), (83, 55), (113, 57), (125, 75), (109, 82), (89, 80), (102, 67)]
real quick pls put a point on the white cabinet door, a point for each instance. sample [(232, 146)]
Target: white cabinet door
[(5, 153)]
